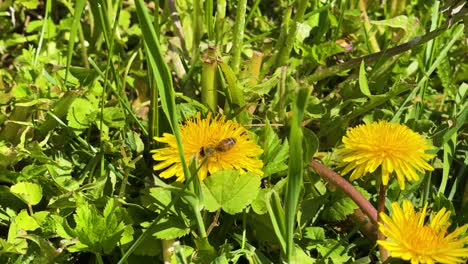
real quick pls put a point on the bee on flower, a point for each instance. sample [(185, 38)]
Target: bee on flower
[(225, 144)]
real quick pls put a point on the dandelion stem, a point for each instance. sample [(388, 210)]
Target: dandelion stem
[(380, 209), (339, 182)]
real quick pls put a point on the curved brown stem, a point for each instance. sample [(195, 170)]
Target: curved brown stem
[(342, 184), (366, 227)]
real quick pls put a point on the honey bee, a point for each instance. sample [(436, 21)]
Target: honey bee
[(222, 146)]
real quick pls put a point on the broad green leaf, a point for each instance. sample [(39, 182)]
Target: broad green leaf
[(30, 193), (114, 117), (79, 114), (29, 4), (259, 204), (26, 222), (295, 179), (314, 233), (230, 191), (151, 246), (14, 244), (169, 228), (97, 233)]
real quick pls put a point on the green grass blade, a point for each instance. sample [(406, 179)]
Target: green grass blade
[(79, 7), (276, 212), (43, 30), (296, 170), (458, 31), (162, 77)]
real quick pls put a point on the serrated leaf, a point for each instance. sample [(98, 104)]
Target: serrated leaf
[(230, 191), (30, 193), (275, 152), (314, 233), (341, 205), (97, 233)]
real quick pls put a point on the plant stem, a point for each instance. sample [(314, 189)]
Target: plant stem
[(381, 209), (209, 91), (199, 220), (214, 223), (238, 35), (167, 247), (198, 27), (291, 36), (220, 18), (339, 182)]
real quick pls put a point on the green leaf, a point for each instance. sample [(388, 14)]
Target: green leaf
[(314, 233), (334, 250), (341, 206), (114, 117), (29, 4), (230, 191), (275, 152), (79, 115), (206, 252), (26, 222), (169, 228), (363, 85), (150, 246), (97, 233), (30, 193), (47, 252), (259, 204)]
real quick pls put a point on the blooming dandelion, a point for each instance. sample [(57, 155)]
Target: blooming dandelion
[(410, 238), (393, 147), (225, 144)]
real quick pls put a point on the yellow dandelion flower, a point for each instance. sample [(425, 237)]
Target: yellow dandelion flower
[(227, 144), (393, 147), (409, 238)]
